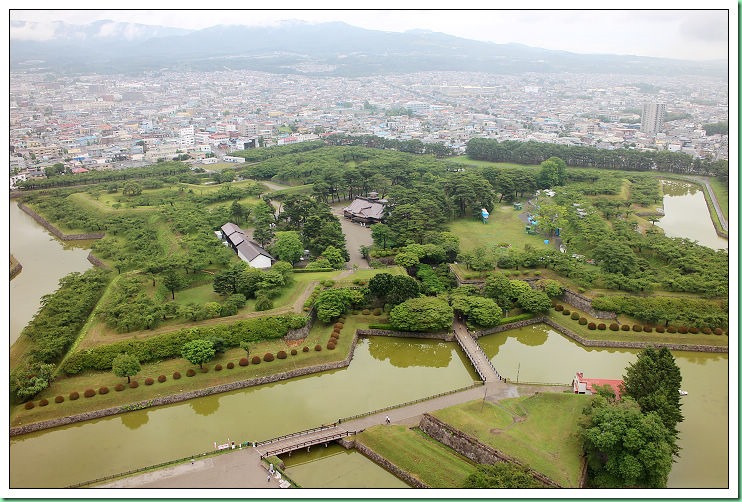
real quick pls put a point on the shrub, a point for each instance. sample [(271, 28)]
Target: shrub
[(614, 326), (218, 367), (693, 330), (682, 330), (318, 347), (335, 335), (59, 399), (575, 316), (672, 329), (245, 361), (149, 381), (636, 328), (591, 325), (230, 365), (601, 326), (706, 331), (336, 331), (255, 360), (330, 346), (660, 329), (305, 349), (281, 354), (161, 378), (558, 307), (566, 312), (377, 311), (103, 390), (647, 329), (43, 402), (176, 375), (89, 393), (268, 357), (119, 387), (205, 369), (582, 321), (293, 352), (718, 331), (365, 312), (29, 405), (134, 384), (190, 372), (625, 327), (338, 325)]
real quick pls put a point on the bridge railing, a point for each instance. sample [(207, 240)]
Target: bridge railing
[(312, 442), (471, 358), (295, 434)]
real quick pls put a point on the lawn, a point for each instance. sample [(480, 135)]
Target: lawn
[(63, 386), (540, 430), (721, 190), (504, 227), (414, 452)]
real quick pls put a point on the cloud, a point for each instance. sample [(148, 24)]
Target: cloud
[(704, 26), (23, 30)]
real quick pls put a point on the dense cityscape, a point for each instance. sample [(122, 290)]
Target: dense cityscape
[(102, 122)]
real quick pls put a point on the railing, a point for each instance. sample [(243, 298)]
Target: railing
[(471, 358), (324, 439), (489, 361), (295, 434)]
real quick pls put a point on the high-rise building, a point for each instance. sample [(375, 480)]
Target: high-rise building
[(653, 116)]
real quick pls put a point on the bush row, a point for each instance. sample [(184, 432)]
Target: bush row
[(169, 345)]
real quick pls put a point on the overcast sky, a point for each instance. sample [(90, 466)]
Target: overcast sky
[(678, 34)]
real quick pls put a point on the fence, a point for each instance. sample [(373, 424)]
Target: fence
[(312, 442), (295, 434)]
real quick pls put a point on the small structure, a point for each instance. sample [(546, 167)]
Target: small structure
[(366, 210), (247, 250), (518, 206), (582, 385), (485, 216)]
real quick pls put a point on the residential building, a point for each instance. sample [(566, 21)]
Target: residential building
[(653, 117)]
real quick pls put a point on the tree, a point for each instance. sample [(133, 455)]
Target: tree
[(172, 281), (244, 346), (551, 287), (403, 287), (237, 211), (380, 284), (550, 216), (381, 234), (288, 247), (125, 365), (498, 287), (27, 381), (501, 475), (615, 257), (198, 352), (653, 381), (422, 314), (536, 302), (626, 448), (333, 303), (406, 259), (553, 172), (132, 188), (481, 311), (334, 256)]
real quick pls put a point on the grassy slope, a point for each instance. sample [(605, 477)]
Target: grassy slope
[(540, 430), (429, 461), (504, 227)]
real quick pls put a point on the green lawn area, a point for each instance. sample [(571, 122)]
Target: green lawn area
[(504, 227), (424, 458), (540, 430), (721, 190), (465, 160)]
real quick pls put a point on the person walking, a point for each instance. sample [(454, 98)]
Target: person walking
[(388, 420)]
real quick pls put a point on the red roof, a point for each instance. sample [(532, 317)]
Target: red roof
[(592, 383)]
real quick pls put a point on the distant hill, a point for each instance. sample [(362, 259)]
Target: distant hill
[(313, 49)]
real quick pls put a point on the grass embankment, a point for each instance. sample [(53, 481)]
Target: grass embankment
[(540, 431), (631, 336), (421, 456), (721, 190), (63, 386)]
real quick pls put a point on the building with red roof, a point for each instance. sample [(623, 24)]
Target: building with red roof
[(582, 385)]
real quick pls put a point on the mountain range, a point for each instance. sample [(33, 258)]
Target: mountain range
[(294, 47)]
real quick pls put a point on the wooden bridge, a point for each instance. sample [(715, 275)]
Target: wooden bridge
[(482, 364)]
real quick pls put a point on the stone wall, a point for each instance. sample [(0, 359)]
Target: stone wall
[(508, 326), (472, 448), (586, 305), (303, 332), (441, 335), (378, 459), (175, 398), (15, 269), (633, 345), (96, 261), (54, 230)]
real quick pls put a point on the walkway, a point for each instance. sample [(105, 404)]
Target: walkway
[(474, 352), (717, 207), (244, 469)]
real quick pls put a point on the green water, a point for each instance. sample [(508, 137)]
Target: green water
[(384, 372), (540, 354), (336, 467), (687, 215), (45, 260)]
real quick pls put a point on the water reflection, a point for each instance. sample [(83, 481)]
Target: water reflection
[(135, 419), (687, 215), (205, 406), (429, 353), (532, 337)]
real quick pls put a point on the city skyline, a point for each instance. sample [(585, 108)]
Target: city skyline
[(685, 34)]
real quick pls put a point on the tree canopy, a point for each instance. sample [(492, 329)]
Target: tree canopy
[(198, 352), (125, 365), (422, 314)]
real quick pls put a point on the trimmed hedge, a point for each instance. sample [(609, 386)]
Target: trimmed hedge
[(119, 387), (625, 327), (582, 321), (230, 365), (103, 390), (161, 378), (575, 316), (268, 357), (255, 360), (149, 381), (660, 329), (648, 329), (601, 326), (43, 402), (558, 307), (305, 349), (218, 367), (134, 384), (59, 399), (672, 329), (636, 328), (614, 326), (566, 312), (693, 330), (190, 372), (294, 352), (169, 345), (718, 331), (29, 405), (89, 393), (682, 330), (282, 354), (245, 361), (176, 375), (591, 325), (330, 346), (204, 369), (318, 347)]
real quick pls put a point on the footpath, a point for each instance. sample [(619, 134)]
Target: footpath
[(243, 468)]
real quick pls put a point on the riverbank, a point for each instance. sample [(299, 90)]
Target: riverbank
[(15, 267), (55, 231)]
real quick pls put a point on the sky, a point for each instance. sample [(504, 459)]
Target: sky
[(678, 34)]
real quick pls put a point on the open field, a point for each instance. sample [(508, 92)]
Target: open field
[(429, 461), (540, 430), (721, 191)]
